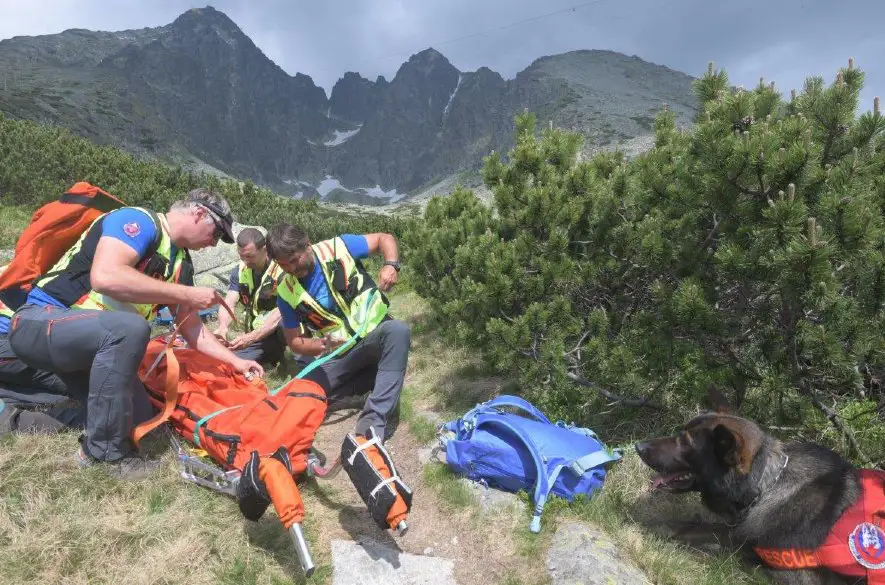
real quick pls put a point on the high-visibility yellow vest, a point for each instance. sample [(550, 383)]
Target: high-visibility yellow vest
[(352, 307), (262, 299), (5, 311), (156, 265)]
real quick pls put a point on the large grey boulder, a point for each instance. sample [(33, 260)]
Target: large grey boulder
[(583, 555)]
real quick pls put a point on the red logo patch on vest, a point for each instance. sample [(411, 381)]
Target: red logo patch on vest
[(132, 229), (867, 544)]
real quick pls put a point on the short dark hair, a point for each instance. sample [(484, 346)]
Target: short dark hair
[(284, 240), (251, 235)]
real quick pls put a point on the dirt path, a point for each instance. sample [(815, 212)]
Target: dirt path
[(480, 544)]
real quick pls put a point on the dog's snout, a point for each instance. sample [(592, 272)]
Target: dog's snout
[(641, 447)]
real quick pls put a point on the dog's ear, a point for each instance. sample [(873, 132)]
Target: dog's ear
[(718, 400), (727, 445)]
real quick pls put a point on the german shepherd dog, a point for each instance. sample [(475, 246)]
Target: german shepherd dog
[(771, 494)]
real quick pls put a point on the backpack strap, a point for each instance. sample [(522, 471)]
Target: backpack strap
[(515, 402), (584, 464), (158, 236), (542, 484), (587, 462)]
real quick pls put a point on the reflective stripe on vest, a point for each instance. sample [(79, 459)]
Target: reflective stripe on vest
[(95, 300), (252, 296), (352, 308)]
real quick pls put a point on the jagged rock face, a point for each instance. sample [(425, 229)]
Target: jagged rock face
[(394, 146), (230, 102), (476, 122), (199, 88), (355, 98)]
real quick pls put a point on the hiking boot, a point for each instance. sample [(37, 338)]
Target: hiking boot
[(130, 467), (14, 419)]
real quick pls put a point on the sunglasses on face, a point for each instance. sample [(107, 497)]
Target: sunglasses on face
[(219, 230)]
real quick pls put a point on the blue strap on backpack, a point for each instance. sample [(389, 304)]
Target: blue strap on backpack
[(526, 451)]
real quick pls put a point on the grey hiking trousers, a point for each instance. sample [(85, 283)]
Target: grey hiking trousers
[(377, 366), (26, 387), (96, 354)]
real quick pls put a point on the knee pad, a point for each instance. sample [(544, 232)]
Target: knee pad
[(374, 476)]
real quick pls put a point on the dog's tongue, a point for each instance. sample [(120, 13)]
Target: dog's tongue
[(659, 481)]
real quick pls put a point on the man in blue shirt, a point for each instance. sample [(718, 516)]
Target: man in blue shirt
[(328, 291), (86, 320)]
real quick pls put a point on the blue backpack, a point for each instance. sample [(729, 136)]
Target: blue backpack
[(514, 452)]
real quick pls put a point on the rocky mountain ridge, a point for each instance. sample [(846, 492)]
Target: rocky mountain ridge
[(199, 92)]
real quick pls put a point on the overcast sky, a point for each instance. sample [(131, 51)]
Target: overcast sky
[(781, 40)]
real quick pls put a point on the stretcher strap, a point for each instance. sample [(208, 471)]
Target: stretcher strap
[(362, 447), (384, 483), (171, 398), (206, 419)]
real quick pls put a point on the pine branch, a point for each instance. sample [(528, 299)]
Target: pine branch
[(713, 233), (577, 347), (616, 399), (761, 178), (836, 421)]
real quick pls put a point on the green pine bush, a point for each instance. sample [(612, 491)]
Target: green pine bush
[(38, 162), (745, 252)]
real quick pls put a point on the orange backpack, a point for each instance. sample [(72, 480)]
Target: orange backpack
[(217, 409), (53, 230)]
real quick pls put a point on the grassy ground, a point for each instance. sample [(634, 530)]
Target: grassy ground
[(62, 525), (447, 380), (13, 219)]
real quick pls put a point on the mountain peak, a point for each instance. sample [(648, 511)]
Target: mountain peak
[(428, 63), (197, 19), (428, 55)]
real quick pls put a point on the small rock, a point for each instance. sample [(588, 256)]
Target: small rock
[(430, 453), (490, 498), (372, 563), (431, 416), (583, 555), (428, 552)]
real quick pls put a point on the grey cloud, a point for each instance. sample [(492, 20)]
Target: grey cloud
[(782, 40)]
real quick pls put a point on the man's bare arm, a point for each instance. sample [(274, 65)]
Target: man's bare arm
[(113, 273), (224, 318), (270, 323), (199, 338), (301, 345), (383, 243)]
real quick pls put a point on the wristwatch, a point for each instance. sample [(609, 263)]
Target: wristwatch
[(394, 263)]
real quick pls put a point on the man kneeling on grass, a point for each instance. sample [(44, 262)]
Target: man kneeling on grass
[(87, 319)]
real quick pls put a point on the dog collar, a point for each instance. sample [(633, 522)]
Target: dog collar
[(746, 509)]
